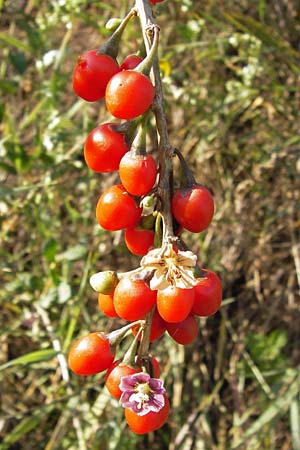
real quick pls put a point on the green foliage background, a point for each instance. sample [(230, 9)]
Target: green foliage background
[(231, 79)]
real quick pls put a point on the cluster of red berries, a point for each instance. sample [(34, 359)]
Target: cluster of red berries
[(163, 294)]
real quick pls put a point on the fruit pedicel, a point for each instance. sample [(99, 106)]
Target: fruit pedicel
[(168, 291)]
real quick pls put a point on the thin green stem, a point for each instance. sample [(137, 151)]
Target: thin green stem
[(111, 46)]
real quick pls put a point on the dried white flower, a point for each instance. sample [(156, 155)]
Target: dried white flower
[(171, 267)]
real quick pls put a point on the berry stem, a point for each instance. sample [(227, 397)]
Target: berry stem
[(138, 146), (111, 46), (187, 179), (146, 65), (145, 341), (115, 337), (129, 356)]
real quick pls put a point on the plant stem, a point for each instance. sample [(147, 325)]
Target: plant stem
[(165, 152)]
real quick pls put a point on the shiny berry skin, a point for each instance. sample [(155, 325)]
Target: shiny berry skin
[(158, 327), (106, 305), (174, 304), (116, 209), (155, 1), (130, 62), (104, 148), (193, 208), (155, 368), (129, 94), (137, 173), (133, 299), (90, 354), (184, 332), (114, 374), (138, 241), (149, 422), (92, 73), (208, 294)]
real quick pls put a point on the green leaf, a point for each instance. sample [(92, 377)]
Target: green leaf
[(50, 249), (73, 253), (24, 427), (14, 42), (18, 59), (30, 358), (8, 86)]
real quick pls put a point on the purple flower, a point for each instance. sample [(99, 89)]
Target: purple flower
[(141, 393)]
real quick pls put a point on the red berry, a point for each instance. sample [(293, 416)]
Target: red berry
[(208, 294), (155, 368), (193, 208), (133, 299), (139, 241), (149, 422), (92, 73), (184, 332), (130, 62), (155, 1), (158, 327), (174, 304), (114, 374), (106, 305), (116, 209), (137, 173), (90, 354), (129, 94), (104, 148)]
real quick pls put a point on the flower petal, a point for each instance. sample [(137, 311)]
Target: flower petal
[(156, 403)]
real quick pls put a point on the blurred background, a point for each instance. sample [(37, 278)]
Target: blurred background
[(231, 81)]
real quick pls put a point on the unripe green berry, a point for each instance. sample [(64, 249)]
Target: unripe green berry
[(113, 24), (104, 282)]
